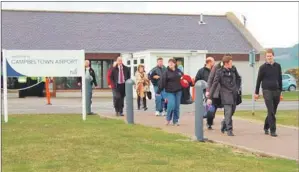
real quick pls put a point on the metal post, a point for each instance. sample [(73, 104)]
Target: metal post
[(199, 109), (129, 101), (253, 90), (253, 81)]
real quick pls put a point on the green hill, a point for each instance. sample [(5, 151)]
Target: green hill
[(287, 57)]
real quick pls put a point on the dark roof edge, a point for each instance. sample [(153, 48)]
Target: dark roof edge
[(244, 31), (107, 12)]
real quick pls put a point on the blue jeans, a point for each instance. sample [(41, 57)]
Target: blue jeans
[(173, 106), (159, 100)]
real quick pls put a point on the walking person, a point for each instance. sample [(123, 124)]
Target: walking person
[(226, 83), (155, 76), (203, 74), (90, 80), (120, 73), (270, 77), (216, 99), (110, 83), (142, 86), (171, 82)]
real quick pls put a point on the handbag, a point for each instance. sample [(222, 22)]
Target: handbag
[(149, 95), (239, 98)]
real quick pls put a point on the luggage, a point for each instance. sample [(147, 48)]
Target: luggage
[(209, 112), (186, 96)]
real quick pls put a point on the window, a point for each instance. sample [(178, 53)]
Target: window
[(100, 68), (135, 62), (142, 61), (285, 77), (129, 62)]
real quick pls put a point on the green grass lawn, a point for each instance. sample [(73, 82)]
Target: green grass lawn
[(287, 96), (56, 143), (284, 117)]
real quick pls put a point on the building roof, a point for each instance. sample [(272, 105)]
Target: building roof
[(120, 32)]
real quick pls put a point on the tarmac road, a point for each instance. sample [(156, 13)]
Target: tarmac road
[(73, 105)]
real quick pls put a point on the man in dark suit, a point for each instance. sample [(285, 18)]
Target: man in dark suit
[(110, 83), (227, 84), (119, 74)]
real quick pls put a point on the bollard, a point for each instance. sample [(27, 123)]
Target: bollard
[(48, 94), (199, 109), (129, 101)]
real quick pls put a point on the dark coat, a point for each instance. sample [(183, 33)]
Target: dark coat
[(156, 71), (228, 81), (93, 75), (212, 75), (115, 72), (202, 74)]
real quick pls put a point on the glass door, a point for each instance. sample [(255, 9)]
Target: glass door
[(100, 68), (96, 65)]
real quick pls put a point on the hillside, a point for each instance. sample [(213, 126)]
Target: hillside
[(287, 57)]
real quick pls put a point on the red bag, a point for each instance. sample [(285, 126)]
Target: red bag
[(188, 79)]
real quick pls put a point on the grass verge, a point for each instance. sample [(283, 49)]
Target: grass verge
[(46, 143), (283, 117), (287, 96)]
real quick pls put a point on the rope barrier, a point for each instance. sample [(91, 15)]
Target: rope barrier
[(25, 87)]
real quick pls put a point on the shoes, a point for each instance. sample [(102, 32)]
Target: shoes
[(91, 113), (273, 134), (116, 113), (164, 113), (167, 122), (121, 114), (145, 108), (223, 127), (230, 133), (266, 132), (176, 124), (157, 113), (210, 128)]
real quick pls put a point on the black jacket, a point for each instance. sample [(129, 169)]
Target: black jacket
[(270, 77), (115, 72), (203, 74), (93, 75), (170, 81), (229, 81), (156, 71)]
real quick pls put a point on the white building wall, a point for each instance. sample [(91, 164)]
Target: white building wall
[(192, 61)]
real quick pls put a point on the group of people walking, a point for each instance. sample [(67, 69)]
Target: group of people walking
[(223, 91)]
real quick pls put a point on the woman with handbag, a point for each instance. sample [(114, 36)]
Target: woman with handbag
[(142, 86)]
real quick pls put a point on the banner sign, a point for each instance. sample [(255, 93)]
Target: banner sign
[(44, 63)]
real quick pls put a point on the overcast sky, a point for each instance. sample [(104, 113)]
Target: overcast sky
[(274, 24)]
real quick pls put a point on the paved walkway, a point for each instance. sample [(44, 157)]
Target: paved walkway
[(249, 135)]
